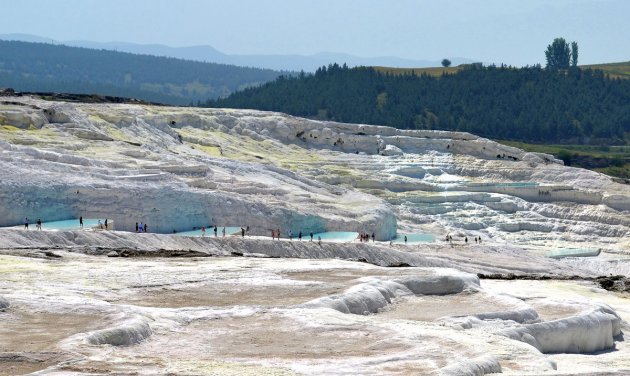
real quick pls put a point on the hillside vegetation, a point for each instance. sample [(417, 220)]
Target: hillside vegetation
[(433, 71), (40, 67), (610, 160), (534, 105), (613, 70)]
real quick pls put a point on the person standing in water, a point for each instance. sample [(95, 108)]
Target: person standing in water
[(223, 232), (39, 224), (203, 231), (81, 221), (405, 239), (242, 232), (26, 223), (105, 223), (300, 235), (215, 231), (311, 235)]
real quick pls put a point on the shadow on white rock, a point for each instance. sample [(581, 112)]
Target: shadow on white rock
[(586, 333), (128, 333), (4, 303), (472, 367), (376, 294)]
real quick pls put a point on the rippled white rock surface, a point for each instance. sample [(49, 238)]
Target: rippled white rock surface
[(244, 315), (291, 307)]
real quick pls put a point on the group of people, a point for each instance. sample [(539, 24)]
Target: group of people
[(106, 225), (544, 193), (275, 234), (38, 224), (215, 229), (449, 239), (142, 227), (365, 237)]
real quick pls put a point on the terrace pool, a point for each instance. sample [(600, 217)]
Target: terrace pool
[(333, 236), (525, 184), (210, 231), (67, 224), (414, 238)]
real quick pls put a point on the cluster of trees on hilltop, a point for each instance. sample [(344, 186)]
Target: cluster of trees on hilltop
[(529, 104), (46, 67)]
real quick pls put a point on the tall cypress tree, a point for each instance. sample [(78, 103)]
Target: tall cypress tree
[(574, 54)]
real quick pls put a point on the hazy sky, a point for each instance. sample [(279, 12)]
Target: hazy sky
[(514, 32)]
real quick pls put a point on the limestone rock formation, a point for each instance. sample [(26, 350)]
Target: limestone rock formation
[(182, 168)]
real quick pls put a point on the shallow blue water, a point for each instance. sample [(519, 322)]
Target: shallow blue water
[(515, 184), (340, 236), (414, 238), (210, 231), (68, 224)]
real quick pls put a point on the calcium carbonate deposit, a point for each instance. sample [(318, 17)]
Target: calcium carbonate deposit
[(531, 279)]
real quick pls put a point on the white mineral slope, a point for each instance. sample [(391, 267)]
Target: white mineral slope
[(480, 259), (65, 174), (293, 307), (178, 168)]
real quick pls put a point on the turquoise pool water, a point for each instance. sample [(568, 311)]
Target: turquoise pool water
[(210, 231), (515, 184), (68, 224), (335, 236), (414, 238)]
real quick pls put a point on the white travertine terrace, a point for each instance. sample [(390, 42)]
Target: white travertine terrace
[(255, 306)]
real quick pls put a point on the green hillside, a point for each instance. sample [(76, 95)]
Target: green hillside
[(614, 70), (610, 160), (533, 105), (432, 71), (39, 67), (584, 112)]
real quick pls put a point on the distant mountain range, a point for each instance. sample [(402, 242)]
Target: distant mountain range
[(210, 54)]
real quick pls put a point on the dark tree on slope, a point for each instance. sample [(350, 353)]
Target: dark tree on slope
[(574, 54), (558, 54), (446, 63)]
